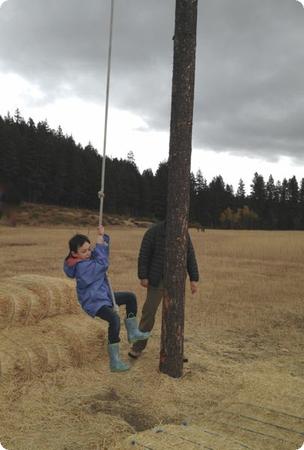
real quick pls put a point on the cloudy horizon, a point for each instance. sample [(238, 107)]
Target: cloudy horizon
[(249, 102)]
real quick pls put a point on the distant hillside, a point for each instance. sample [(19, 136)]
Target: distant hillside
[(34, 214)]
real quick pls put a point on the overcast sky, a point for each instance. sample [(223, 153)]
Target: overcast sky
[(249, 94)]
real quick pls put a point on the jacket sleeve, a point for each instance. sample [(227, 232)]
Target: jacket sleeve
[(145, 253), (100, 254), (192, 267)]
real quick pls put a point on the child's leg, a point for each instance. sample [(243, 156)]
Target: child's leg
[(107, 313), (128, 299)]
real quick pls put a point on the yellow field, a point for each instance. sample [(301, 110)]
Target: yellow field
[(244, 334)]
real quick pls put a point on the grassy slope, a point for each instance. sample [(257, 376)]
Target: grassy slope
[(51, 215)]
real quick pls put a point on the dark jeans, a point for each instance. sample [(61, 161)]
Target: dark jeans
[(107, 313)]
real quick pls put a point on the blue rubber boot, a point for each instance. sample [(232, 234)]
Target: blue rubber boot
[(116, 365), (134, 334)]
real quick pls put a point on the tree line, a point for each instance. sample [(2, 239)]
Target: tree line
[(46, 166)]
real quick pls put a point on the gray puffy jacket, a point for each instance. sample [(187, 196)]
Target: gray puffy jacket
[(152, 254)]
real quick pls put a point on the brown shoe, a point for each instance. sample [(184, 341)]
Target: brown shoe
[(133, 354)]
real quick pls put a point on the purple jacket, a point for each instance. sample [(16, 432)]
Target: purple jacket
[(92, 286)]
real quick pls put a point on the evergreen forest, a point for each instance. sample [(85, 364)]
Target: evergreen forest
[(45, 166)]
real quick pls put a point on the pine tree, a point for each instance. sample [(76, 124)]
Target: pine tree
[(146, 200), (258, 197), (293, 191), (284, 196), (301, 204), (301, 193), (241, 193), (270, 189), (203, 202), (172, 335), (219, 199), (160, 191), (293, 207), (283, 220), (270, 218), (131, 158)]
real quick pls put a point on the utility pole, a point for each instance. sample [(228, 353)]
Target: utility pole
[(172, 336)]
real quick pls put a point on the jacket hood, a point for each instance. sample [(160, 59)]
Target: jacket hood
[(69, 266), (70, 262)]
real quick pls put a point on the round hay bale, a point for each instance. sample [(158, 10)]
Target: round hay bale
[(27, 299), (54, 343)]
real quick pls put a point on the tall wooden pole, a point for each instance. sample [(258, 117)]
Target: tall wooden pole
[(172, 336)]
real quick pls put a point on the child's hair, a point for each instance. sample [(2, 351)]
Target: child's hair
[(76, 242)]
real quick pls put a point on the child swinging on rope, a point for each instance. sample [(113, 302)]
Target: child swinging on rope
[(94, 294)]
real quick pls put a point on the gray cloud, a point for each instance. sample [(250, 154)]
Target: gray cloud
[(250, 63)]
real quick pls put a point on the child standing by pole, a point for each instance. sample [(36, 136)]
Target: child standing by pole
[(94, 295)]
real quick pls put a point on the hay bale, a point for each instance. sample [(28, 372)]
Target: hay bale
[(27, 299), (54, 343)]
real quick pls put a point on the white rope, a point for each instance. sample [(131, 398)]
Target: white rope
[(101, 192)]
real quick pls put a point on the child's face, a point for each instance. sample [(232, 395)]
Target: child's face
[(83, 252)]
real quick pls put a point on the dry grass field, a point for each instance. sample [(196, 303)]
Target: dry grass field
[(243, 387)]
